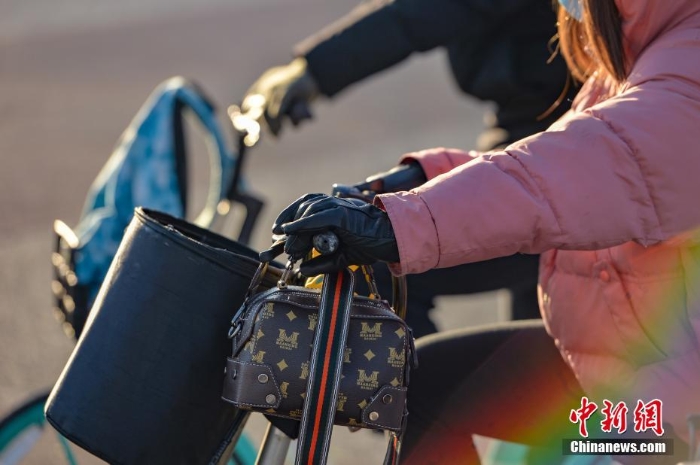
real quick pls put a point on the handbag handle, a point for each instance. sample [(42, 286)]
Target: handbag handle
[(399, 298), (399, 301), (327, 243)]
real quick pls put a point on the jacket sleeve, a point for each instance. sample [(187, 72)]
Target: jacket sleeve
[(439, 160), (381, 33), (624, 170)]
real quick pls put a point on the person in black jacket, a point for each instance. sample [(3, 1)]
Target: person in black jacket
[(499, 51)]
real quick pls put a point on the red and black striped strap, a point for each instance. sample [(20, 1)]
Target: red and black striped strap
[(325, 372), (394, 449), (326, 367)]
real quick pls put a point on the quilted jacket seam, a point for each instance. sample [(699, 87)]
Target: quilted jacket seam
[(634, 153)]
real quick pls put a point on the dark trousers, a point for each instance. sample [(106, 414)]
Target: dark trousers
[(517, 273), (505, 381)]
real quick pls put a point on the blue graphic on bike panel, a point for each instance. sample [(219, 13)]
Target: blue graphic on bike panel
[(143, 171)]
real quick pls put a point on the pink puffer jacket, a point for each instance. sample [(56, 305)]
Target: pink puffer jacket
[(610, 195)]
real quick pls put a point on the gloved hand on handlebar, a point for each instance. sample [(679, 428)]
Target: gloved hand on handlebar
[(282, 91), (365, 232)]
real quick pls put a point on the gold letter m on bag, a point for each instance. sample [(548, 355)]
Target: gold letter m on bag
[(371, 333), (369, 382), (287, 342)]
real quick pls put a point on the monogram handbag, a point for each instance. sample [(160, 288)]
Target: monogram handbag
[(143, 385), (274, 336)]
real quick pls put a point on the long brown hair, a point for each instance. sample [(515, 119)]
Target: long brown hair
[(595, 43)]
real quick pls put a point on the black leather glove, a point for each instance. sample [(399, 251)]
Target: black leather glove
[(282, 91), (365, 232)]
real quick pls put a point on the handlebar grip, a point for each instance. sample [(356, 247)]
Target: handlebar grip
[(403, 178), (326, 243)]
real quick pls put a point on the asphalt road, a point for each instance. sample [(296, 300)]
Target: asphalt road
[(68, 87)]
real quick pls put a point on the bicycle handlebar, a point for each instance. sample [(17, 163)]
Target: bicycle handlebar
[(246, 124), (326, 242), (400, 178)]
